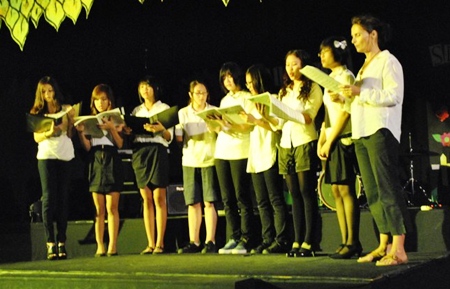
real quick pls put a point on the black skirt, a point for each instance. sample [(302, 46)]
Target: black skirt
[(105, 170), (151, 165), (341, 166)]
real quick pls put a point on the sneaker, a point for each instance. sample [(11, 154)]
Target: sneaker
[(228, 247), (260, 248), (276, 248), (190, 248), (209, 248), (241, 247)]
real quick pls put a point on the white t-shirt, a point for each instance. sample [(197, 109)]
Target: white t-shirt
[(60, 148)]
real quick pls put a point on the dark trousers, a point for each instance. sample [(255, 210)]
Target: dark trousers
[(234, 183), (55, 179), (268, 186), (378, 162)]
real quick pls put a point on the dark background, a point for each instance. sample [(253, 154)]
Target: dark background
[(177, 41)]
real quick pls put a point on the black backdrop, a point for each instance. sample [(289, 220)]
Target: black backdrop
[(179, 40)]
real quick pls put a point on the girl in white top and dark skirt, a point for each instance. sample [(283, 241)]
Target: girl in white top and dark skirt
[(150, 163), (105, 172)]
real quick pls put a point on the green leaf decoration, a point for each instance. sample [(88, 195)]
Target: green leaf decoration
[(36, 14), (20, 31), (54, 14), (437, 137), (27, 6), (87, 4), (11, 18), (4, 6), (72, 9)]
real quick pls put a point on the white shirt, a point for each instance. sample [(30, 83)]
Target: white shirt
[(263, 147), (59, 148), (234, 147), (295, 134), (379, 104), (198, 150), (344, 76), (142, 111)]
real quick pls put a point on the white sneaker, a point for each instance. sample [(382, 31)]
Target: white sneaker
[(228, 247), (240, 248)]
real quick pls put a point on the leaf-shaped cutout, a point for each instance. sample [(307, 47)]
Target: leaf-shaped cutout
[(20, 31), (72, 9), (27, 6), (87, 4), (4, 6), (36, 14), (43, 3), (54, 14), (11, 18), (15, 4)]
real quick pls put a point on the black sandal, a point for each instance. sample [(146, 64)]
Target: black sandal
[(52, 253), (62, 253)]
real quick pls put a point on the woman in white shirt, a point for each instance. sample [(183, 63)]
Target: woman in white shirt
[(150, 163), (105, 170), (263, 166), (298, 160), (55, 150), (199, 173), (376, 110), (336, 149), (231, 156)]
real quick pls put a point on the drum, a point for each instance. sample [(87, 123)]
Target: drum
[(326, 196)]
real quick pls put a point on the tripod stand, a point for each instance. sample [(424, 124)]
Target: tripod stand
[(412, 183)]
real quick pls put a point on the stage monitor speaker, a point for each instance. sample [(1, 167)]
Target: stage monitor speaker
[(175, 200)]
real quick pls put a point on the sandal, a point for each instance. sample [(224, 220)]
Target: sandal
[(147, 251), (62, 253), (371, 257), (158, 250), (391, 260), (52, 252)]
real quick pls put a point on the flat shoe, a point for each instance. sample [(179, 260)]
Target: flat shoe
[(391, 260), (158, 250), (98, 255), (147, 251), (112, 254), (371, 257)]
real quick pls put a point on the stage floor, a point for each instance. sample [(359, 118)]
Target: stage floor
[(424, 270)]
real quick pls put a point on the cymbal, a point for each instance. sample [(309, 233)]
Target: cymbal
[(419, 153)]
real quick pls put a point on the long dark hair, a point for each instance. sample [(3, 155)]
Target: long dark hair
[(39, 106), (305, 59), (261, 78)]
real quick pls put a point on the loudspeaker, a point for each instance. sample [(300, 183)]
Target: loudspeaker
[(175, 200)]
